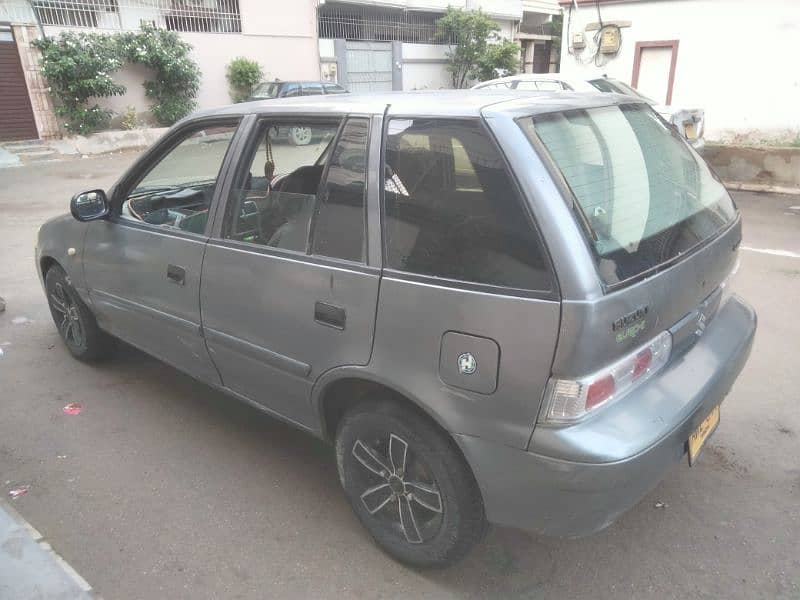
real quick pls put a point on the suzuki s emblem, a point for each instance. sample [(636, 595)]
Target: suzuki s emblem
[(701, 325), (467, 364)]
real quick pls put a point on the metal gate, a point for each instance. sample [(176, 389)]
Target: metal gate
[(16, 114), (369, 66)]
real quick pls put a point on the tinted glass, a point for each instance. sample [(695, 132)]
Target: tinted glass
[(332, 88), (339, 230), (291, 89), (273, 200), (267, 90), (645, 195), (177, 191), (312, 89), (452, 209)]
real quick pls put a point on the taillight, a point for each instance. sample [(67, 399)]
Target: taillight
[(569, 400)]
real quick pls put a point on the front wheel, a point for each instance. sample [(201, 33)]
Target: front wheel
[(408, 485), (300, 136), (75, 322)]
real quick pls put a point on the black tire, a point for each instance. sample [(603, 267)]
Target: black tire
[(431, 466), (75, 322)]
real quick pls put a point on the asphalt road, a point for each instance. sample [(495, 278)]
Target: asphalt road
[(162, 488)]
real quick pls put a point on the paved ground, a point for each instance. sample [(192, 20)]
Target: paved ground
[(162, 488)]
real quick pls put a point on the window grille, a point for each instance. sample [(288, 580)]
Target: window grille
[(374, 23), (210, 16)]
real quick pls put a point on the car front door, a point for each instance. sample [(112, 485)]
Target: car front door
[(289, 289), (142, 265)]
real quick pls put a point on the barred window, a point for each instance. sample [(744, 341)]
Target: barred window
[(210, 16), (377, 23)]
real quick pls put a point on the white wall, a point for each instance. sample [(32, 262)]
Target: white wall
[(280, 35), (736, 59), (425, 75)]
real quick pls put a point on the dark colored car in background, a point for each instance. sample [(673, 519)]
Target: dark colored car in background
[(288, 89), (297, 136)]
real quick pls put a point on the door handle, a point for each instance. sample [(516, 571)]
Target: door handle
[(176, 274), (329, 314)]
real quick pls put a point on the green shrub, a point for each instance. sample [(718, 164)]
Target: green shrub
[(471, 55), (129, 119), (499, 60), (177, 77), (243, 75), (78, 66)]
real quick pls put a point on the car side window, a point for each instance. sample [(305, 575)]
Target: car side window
[(274, 195), (452, 209), (339, 227), (312, 89), (176, 192)]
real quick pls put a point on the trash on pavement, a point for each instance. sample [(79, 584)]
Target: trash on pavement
[(73, 408), (21, 320), (17, 492), (660, 504)]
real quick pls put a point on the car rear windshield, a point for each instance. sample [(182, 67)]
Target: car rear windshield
[(644, 197)]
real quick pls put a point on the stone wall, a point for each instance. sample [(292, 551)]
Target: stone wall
[(41, 102)]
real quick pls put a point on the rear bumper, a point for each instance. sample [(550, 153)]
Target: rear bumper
[(576, 480)]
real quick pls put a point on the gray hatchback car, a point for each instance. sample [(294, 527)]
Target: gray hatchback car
[(498, 308)]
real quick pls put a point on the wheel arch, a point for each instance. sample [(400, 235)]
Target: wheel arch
[(339, 389)]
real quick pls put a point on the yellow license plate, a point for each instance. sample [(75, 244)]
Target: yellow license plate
[(698, 438), (690, 131)]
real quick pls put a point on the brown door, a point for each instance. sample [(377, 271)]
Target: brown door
[(16, 114)]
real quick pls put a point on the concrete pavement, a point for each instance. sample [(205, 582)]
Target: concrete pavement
[(162, 488), (29, 568)]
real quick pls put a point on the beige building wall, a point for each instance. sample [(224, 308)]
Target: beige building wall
[(280, 35)]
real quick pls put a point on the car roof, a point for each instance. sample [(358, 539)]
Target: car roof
[(572, 80), (439, 103)]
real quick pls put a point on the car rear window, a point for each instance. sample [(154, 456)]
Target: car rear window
[(645, 197), (452, 210)]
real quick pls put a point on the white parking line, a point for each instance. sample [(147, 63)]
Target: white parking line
[(786, 253)]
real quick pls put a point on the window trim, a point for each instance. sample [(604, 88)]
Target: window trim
[(249, 145), (312, 230), (551, 294), (142, 167)]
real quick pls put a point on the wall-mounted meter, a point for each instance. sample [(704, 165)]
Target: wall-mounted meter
[(578, 40), (609, 40)]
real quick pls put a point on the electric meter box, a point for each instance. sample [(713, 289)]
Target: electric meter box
[(609, 40), (578, 41)]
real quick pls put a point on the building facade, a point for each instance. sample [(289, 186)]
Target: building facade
[(392, 45), (725, 56), (365, 45)]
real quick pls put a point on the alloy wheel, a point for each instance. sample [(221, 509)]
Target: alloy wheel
[(398, 488), (68, 317)]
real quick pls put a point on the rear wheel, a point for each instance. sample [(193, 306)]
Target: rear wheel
[(408, 485), (75, 322)]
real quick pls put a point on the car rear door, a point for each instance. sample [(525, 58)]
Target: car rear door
[(289, 286), (142, 265)]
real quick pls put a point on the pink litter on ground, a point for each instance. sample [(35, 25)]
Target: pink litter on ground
[(17, 492), (73, 408)]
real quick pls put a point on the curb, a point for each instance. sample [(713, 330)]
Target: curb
[(38, 538), (761, 187)]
